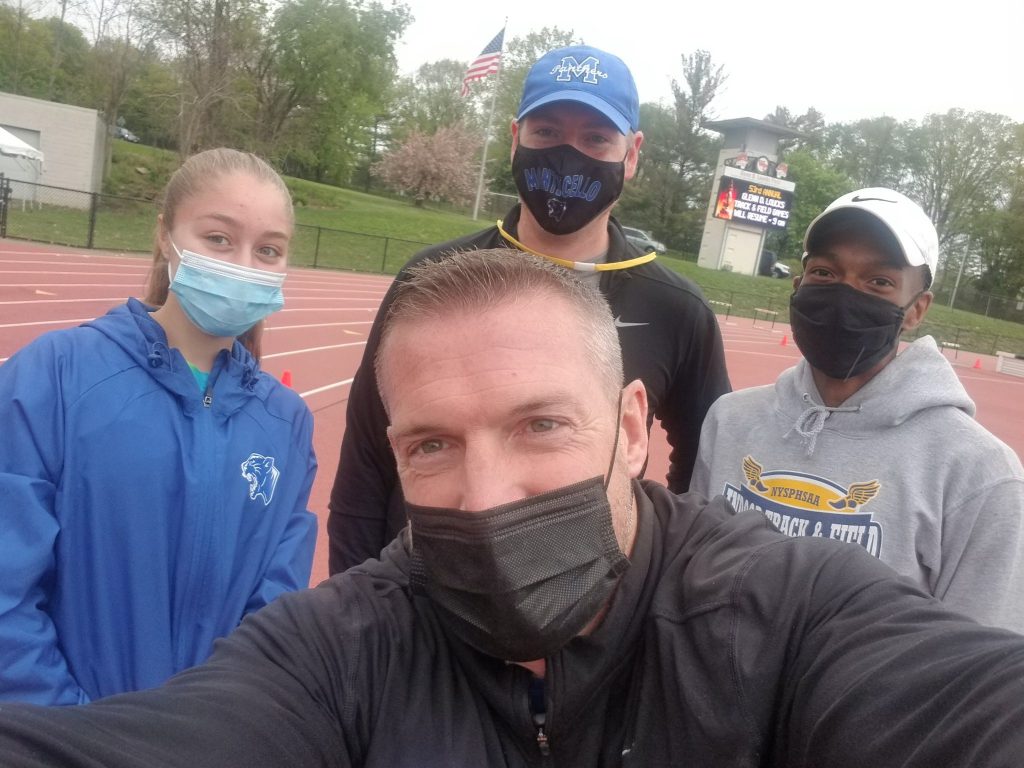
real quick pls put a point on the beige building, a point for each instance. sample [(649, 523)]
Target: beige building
[(750, 195), (70, 138)]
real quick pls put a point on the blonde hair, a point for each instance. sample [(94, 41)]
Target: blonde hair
[(191, 178)]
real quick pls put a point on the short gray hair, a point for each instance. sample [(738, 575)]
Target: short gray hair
[(474, 281)]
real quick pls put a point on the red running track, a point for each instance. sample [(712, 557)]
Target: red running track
[(320, 336)]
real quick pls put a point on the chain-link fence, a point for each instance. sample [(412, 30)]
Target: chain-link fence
[(92, 220), (49, 214), (315, 246), (969, 299)]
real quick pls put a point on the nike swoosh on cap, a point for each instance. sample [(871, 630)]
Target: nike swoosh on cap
[(619, 323), (859, 199)]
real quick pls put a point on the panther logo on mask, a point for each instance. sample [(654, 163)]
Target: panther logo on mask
[(556, 208), (262, 476)]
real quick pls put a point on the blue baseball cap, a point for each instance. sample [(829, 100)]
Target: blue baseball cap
[(588, 75)]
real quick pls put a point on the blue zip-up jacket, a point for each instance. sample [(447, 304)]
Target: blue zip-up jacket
[(140, 519)]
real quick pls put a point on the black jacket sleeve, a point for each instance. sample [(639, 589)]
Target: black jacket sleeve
[(281, 690), (699, 379), (366, 484), (677, 352), (875, 671)]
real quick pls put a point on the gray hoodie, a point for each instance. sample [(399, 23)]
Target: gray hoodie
[(901, 468)]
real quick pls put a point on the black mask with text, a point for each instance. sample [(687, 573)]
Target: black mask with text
[(518, 581), (841, 331), (563, 188)]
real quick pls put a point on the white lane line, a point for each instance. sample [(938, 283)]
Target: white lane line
[(290, 295), (318, 390), (68, 255), (269, 328), (340, 291), (47, 322), (126, 286), (327, 309), (311, 325), (63, 301), (315, 349), (78, 273)]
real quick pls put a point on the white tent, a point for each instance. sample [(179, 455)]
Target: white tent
[(12, 146), (20, 162)]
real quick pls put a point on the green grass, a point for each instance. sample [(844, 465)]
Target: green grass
[(138, 171), (972, 332), (49, 224), (346, 229)]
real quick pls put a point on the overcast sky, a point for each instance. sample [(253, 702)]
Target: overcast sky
[(903, 58)]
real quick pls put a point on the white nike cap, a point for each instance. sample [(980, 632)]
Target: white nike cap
[(913, 230)]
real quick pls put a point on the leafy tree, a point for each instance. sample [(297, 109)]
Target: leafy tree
[(60, 32), (957, 167), (116, 58), (678, 158), (320, 78), (43, 58), (871, 152), (1000, 231), (151, 98), (207, 40), (432, 167), (817, 185), (430, 100), (811, 124)]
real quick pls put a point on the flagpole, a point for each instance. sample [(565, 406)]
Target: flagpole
[(487, 134), (487, 141)]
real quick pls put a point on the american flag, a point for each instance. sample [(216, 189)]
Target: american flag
[(486, 63)]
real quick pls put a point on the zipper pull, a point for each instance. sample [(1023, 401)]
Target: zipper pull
[(542, 738), (207, 400), (538, 711)]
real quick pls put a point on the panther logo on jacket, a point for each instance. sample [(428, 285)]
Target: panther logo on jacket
[(262, 475), (801, 504)]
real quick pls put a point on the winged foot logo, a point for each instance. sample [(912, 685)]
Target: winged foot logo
[(262, 475), (800, 504)]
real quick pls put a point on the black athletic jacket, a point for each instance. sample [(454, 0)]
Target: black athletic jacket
[(726, 644), (670, 340)]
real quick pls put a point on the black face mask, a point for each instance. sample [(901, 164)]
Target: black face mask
[(563, 188), (519, 581), (841, 331)]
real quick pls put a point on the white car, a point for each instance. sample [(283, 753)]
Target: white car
[(643, 240), (124, 133)]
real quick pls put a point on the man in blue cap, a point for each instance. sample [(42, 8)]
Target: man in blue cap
[(575, 140)]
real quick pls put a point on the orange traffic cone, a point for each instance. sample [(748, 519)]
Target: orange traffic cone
[(286, 378), (785, 340), (977, 364)]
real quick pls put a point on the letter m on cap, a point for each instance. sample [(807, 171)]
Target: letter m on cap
[(570, 68)]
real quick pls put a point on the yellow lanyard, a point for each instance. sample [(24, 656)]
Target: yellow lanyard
[(580, 266)]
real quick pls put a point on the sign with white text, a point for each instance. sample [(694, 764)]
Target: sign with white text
[(748, 201)]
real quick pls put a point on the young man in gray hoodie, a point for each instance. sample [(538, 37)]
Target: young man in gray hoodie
[(862, 444)]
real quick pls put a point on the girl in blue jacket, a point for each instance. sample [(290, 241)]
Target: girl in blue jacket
[(153, 481)]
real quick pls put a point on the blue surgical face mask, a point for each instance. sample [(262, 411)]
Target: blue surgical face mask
[(223, 299)]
